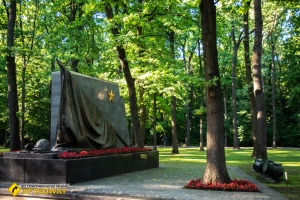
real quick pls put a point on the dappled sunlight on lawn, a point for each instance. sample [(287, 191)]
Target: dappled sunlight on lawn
[(197, 160)]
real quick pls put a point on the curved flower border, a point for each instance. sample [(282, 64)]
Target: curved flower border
[(235, 185), (100, 152)]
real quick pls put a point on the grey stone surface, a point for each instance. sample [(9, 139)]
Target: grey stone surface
[(30, 155), (59, 171), (55, 101)]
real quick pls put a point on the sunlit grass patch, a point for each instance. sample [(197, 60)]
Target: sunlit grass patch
[(2, 149), (289, 158)]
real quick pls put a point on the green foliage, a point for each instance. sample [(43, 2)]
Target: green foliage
[(56, 29)]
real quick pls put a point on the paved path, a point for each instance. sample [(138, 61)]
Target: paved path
[(164, 182)]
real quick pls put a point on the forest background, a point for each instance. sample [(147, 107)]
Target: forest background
[(79, 34)]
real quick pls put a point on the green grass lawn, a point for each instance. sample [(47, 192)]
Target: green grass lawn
[(289, 158), (2, 149)]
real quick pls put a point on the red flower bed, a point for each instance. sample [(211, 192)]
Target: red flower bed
[(235, 185), (101, 152)]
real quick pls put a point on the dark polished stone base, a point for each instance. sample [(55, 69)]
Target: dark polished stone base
[(29, 169)]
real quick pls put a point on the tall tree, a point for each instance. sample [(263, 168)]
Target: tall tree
[(249, 78), (129, 79), (215, 170), (173, 99), (258, 83), (201, 98), (11, 75), (236, 45)]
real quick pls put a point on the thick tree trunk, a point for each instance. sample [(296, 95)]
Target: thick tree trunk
[(258, 84), (250, 81), (216, 170), (234, 109), (12, 81), (154, 123), (130, 83)]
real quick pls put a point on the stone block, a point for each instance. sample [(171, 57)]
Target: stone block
[(78, 170), (140, 161), (17, 170), (4, 170), (64, 171), (152, 161), (31, 155), (33, 170), (128, 163), (98, 167), (54, 171)]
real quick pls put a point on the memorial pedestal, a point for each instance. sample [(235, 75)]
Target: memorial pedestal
[(47, 169)]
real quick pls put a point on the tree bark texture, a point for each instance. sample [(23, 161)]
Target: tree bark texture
[(274, 93), (234, 106), (250, 80), (216, 170), (12, 82), (258, 84), (142, 113), (154, 123), (174, 128), (173, 99), (201, 99), (130, 83)]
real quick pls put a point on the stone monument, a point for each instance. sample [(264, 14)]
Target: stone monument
[(86, 112)]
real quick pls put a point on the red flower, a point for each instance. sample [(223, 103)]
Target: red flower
[(235, 185), (101, 152)]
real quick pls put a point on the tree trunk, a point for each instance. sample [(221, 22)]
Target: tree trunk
[(201, 99), (216, 170), (25, 62), (5, 145), (234, 109), (142, 113), (142, 89), (258, 84), (12, 81), (226, 116), (250, 80), (201, 126), (130, 83), (187, 110), (174, 128), (273, 91), (173, 100), (154, 123)]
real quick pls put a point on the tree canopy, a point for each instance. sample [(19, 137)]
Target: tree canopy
[(80, 33)]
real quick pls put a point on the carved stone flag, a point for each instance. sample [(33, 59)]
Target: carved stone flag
[(86, 112)]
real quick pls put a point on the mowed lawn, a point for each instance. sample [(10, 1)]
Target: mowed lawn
[(288, 157), (191, 156)]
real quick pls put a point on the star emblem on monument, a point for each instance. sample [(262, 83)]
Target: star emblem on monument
[(111, 96)]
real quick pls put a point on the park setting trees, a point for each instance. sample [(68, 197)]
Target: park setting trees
[(157, 50)]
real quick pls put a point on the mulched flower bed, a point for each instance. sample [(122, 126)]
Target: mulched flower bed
[(101, 152), (235, 185)]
